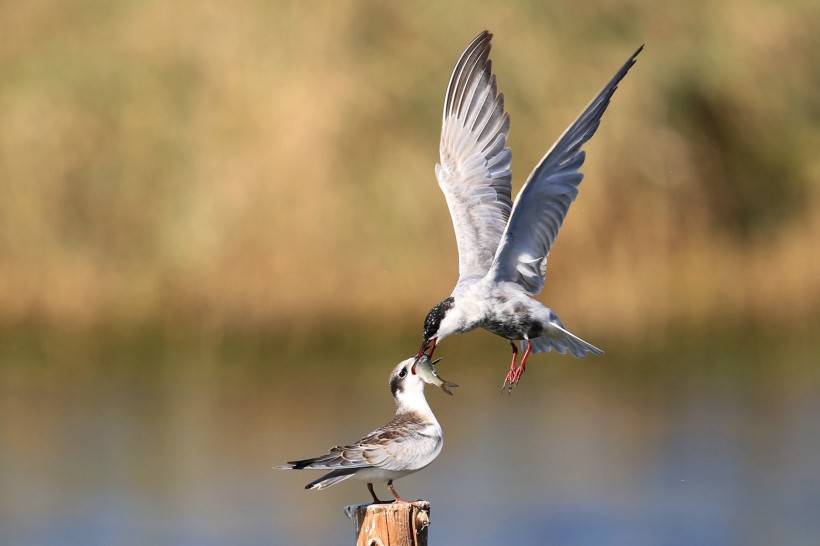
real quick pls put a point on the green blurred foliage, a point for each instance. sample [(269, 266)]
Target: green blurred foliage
[(254, 165)]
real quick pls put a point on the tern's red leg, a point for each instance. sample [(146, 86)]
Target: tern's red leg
[(396, 495), (373, 494), (510, 377), (523, 366)]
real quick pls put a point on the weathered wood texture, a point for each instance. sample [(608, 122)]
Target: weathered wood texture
[(391, 524)]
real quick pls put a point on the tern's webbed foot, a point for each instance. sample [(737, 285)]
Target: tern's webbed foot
[(518, 373), (510, 378), (513, 377), (515, 373), (509, 381)]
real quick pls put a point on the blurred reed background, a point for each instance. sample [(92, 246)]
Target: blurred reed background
[(269, 165), (185, 186)]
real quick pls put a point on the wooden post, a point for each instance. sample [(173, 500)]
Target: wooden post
[(394, 524)]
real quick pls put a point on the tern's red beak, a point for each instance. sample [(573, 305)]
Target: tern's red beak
[(429, 344)]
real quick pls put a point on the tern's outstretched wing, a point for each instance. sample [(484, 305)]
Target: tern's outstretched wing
[(543, 202), (399, 445), (474, 172)]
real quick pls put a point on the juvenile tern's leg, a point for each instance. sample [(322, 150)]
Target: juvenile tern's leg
[(373, 494), (523, 366), (511, 374), (396, 495)]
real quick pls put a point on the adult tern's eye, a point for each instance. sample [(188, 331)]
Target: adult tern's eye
[(403, 373)]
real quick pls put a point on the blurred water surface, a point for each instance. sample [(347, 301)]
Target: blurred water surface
[(685, 443)]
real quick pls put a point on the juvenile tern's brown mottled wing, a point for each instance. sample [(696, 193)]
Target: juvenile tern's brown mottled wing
[(399, 445), (543, 202), (474, 172)]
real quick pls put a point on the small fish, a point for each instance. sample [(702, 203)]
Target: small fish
[(427, 372)]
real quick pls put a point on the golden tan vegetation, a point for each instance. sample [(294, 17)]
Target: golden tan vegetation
[(247, 164)]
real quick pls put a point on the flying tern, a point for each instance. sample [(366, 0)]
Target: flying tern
[(503, 245)]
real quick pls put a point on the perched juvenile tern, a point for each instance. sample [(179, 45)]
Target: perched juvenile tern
[(405, 445), (503, 246)]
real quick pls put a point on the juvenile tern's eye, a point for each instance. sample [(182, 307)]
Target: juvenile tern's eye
[(403, 373)]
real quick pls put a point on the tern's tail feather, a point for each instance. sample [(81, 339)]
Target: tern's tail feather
[(331, 478), (560, 339)]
